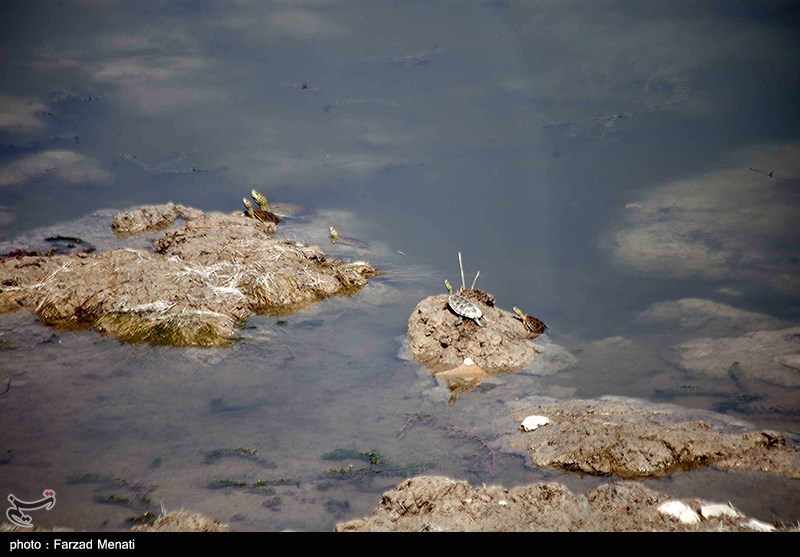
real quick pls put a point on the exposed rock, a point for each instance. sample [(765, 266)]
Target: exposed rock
[(151, 217), (182, 521), (200, 284), (436, 503), (176, 521), (629, 439), (772, 356), (501, 344)]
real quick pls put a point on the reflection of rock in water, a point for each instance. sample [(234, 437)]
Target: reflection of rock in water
[(200, 284)]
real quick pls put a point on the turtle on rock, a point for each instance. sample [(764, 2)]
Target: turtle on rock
[(463, 307), (263, 207), (531, 323), (259, 214)]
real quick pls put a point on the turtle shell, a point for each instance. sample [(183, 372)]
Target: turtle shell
[(534, 325), (464, 307), (288, 209), (266, 216)]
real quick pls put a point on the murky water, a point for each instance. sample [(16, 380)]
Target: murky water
[(599, 165)]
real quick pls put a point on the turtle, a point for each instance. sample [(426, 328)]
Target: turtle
[(263, 205), (337, 239), (532, 324), (259, 214), (462, 306)]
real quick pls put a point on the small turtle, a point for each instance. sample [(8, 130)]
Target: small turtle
[(336, 239), (532, 324), (263, 205), (259, 214), (462, 306)]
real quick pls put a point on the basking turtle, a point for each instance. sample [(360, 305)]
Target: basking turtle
[(260, 199), (532, 324), (260, 214), (263, 206), (336, 239), (285, 209), (462, 306)]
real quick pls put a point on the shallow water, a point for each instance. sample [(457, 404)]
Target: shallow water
[(590, 161)]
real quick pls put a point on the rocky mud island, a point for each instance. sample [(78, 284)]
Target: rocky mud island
[(195, 287)]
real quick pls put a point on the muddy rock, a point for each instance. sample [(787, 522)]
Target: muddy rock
[(771, 356), (176, 521), (182, 521), (434, 339), (626, 438), (195, 288), (150, 217), (436, 503)]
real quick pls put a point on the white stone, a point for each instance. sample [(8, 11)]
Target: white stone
[(713, 510), (679, 510), (502, 502), (534, 422), (759, 526), (468, 362)]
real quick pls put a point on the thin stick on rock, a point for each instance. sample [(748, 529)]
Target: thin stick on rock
[(475, 280), (461, 266)]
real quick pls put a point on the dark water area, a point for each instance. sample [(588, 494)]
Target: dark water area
[(628, 173)]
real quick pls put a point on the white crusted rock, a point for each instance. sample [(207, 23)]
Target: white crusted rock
[(679, 510), (714, 510), (759, 526), (534, 422)]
